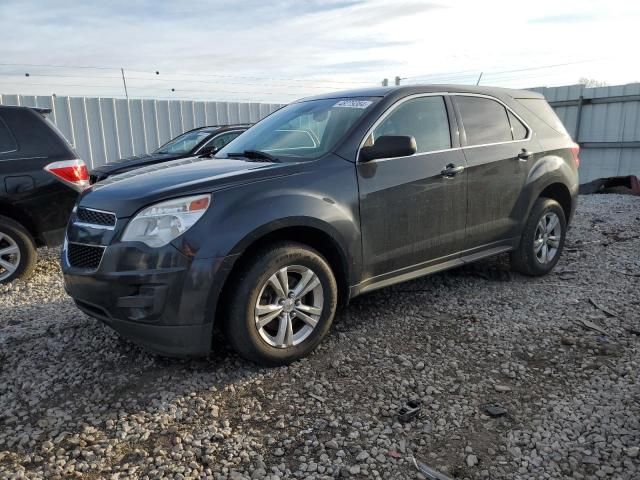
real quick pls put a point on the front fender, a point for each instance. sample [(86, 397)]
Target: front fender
[(324, 198)]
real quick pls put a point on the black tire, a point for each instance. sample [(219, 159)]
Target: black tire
[(240, 324), (11, 232), (525, 259)]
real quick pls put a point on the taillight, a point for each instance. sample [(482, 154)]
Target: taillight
[(575, 151), (71, 172)]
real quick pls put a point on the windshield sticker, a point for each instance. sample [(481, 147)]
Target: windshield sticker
[(353, 103)]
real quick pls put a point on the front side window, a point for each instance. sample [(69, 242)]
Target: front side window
[(184, 143), (303, 130), (423, 118), (485, 121), (7, 142)]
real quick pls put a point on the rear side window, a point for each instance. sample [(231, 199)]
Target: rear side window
[(518, 129), (424, 118), (541, 109), (485, 120), (7, 142)]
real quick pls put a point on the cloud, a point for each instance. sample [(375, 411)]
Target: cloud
[(564, 18), (283, 49)]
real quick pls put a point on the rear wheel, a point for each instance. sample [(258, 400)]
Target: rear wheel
[(283, 304), (17, 251), (542, 239)]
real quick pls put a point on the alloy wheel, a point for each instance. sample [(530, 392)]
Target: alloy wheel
[(9, 256), (289, 306), (547, 238)]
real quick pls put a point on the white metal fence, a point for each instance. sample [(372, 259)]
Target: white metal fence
[(105, 129), (605, 121)]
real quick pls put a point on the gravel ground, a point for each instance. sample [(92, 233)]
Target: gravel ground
[(78, 402)]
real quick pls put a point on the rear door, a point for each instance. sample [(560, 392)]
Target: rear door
[(412, 215), (495, 144)]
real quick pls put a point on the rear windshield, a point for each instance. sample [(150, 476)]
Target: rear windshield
[(7, 142), (54, 127), (541, 109)]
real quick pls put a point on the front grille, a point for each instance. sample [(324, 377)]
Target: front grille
[(84, 256), (96, 217)]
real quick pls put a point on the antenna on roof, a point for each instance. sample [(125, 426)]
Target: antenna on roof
[(126, 94)]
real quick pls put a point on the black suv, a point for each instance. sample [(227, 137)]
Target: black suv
[(268, 237), (197, 142), (40, 177)]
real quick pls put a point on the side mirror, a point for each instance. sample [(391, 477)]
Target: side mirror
[(389, 146)]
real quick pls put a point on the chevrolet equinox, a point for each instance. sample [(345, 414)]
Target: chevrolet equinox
[(325, 199)]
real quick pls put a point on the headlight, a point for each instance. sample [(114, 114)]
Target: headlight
[(158, 224)]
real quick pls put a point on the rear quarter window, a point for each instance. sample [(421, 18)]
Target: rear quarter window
[(541, 109), (517, 128)]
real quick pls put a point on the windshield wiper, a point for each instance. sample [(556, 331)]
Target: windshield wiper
[(254, 155)]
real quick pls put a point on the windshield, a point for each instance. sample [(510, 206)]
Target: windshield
[(184, 143), (301, 130)]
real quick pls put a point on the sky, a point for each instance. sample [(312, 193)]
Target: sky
[(281, 50)]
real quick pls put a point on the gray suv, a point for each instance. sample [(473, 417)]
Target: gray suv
[(325, 199)]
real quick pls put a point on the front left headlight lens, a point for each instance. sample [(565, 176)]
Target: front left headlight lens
[(159, 224)]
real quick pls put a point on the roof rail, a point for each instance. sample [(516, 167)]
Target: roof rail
[(42, 111)]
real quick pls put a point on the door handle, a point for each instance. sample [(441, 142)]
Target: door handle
[(451, 170), (524, 154)]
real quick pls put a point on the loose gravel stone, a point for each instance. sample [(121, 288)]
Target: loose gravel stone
[(77, 401)]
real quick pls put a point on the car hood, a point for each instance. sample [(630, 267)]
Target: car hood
[(127, 193), (129, 163)]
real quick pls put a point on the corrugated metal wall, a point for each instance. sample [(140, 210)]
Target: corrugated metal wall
[(609, 131), (105, 129)]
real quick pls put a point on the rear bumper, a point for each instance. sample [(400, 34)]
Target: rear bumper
[(158, 298)]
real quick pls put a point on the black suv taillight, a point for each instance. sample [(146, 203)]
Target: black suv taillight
[(71, 172)]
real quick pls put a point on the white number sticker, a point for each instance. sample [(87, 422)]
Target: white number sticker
[(353, 103)]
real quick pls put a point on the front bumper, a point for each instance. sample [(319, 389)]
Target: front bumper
[(158, 298)]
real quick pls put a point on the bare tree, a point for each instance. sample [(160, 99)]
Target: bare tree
[(591, 82)]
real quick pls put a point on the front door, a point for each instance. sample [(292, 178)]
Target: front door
[(411, 214)]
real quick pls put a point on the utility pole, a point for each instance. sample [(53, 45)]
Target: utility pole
[(398, 80), (385, 82), (124, 82), (479, 78)]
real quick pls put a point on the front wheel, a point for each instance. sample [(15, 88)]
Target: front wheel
[(542, 239), (282, 305)]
